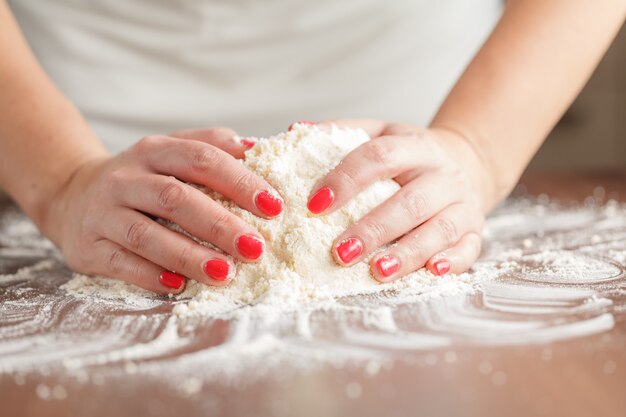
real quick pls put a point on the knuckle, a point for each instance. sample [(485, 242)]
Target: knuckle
[(172, 195), (379, 152), (414, 249), (222, 132), (375, 232), (136, 234), (222, 223), (246, 182), (413, 134), (114, 179), (415, 203), (205, 159), (346, 178), (115, 260), (149, 142), (181, 261), (448, 231)]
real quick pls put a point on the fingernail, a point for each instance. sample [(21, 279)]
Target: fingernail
[(268, 203), (171, 279), (304, 122), (217, 269), (247, 143), (250, 246), (441, 267), (321, 200), (349, 249), (387, 265)]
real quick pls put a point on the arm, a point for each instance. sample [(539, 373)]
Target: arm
[(526, 75), (98, 208), (43, 137), (517, 87)]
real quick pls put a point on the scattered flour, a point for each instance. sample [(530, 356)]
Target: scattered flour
[(27, 272), (83, 286), (566, 267)]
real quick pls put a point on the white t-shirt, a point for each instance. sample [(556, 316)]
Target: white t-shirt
[(137, 67)]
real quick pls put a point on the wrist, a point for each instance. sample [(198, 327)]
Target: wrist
[(48, 207), (472, 159)]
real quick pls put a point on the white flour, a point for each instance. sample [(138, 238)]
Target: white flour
[(297, 265)]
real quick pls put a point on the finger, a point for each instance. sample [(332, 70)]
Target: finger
[(224, 138), (457, 259), (415, 248), (412, 205), (170, 249), (208, 165), (382, 158), (194, 211), (117, 262)]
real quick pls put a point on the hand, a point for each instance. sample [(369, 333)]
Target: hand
[(102, 220), (436, 217)]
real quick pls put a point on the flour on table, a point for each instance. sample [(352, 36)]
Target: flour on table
[(548, 272), (94, 288), (297, 265)]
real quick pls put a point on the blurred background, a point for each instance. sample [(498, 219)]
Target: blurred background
[(591, 136)]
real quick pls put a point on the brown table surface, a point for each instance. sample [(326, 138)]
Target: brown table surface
[(578, 376)]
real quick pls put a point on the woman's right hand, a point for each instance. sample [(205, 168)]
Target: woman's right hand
[(102, 218)]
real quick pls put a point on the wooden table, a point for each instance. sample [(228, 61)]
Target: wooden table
[(581, 376)]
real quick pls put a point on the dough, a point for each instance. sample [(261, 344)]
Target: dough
[(297, 264)]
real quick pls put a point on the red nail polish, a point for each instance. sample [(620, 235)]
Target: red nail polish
[(387, 265), (268, 203), (304, 122), (441, 267), (217, 269), (250, 246), (321, 200), (171, 279), (247, 143), (349, 249)]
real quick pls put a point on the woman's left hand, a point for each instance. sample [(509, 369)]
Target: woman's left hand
[(435, 219)]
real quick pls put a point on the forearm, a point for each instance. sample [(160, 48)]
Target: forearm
[(525, 76), (43, 137)]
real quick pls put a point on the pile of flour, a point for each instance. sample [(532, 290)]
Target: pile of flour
[(297, 266)]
